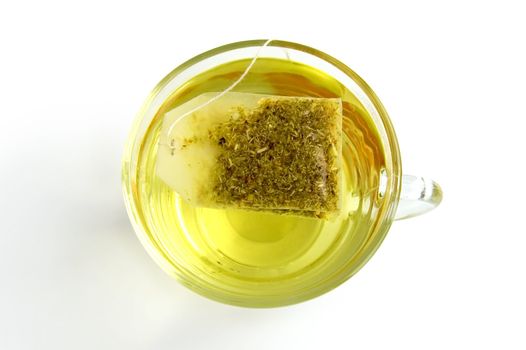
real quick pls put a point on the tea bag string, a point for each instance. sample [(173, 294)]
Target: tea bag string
[(228, 89)]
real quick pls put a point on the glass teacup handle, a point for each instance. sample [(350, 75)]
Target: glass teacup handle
[(418, 196)]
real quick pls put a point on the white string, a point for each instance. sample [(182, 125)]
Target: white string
[(228, 89)]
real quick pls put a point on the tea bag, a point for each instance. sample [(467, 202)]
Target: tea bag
[(253, 151)]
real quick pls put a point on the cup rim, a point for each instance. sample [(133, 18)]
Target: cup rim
[(385, 214)]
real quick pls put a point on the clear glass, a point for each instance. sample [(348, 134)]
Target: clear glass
[(419, 195), (413, 196)]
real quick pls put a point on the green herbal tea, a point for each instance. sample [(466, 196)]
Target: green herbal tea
[(262, 250), (284, 154), (252, 151)]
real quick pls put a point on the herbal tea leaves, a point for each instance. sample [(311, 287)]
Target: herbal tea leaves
[(283, 155), (252, 151)]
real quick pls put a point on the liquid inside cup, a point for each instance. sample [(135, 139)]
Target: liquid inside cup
[(253, 254)]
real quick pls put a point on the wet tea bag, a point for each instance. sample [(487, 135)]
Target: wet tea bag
[(255, 151)]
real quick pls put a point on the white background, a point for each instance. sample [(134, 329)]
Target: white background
[(72, 273)]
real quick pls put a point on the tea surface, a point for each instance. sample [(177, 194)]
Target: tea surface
[(259, 252)]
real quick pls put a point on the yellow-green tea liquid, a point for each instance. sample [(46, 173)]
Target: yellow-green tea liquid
[(236, 248)]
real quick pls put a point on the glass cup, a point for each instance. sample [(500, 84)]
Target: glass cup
[(401, 196)]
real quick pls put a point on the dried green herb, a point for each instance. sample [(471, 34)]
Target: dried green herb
[(282, 155)]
